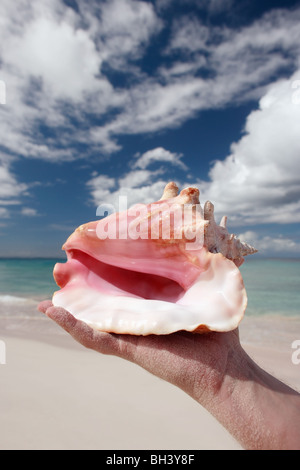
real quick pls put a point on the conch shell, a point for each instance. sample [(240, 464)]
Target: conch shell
[(155, 269)]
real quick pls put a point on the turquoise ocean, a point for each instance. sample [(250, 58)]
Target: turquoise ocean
[(23, 283), (273, 285)]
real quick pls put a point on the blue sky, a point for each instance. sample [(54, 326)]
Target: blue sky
[(121, 96)]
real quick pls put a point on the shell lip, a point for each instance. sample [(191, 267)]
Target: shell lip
[(78, 263)]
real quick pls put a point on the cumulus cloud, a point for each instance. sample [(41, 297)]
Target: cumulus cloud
[(271, 245), (189, 34), (75, 79), (126, 27), (11, 190), (159, 154), (140, 188), (140, 183), (238, 62), (259, 182), (100, 187), (51, 62), (65, 59), (136, 178), (59, 65), (207, 69)]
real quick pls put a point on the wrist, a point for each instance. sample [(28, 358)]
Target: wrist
[(260, 411)]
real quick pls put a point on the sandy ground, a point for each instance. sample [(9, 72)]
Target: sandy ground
[(55, 394)]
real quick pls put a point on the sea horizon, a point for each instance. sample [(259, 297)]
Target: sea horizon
[(272, 284)]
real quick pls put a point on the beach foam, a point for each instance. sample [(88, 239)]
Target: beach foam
[(11, 299)]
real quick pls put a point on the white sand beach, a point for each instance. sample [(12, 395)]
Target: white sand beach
[(55, 394)]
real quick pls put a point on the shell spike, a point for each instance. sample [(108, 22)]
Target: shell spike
[(170, 191), (247, 249), (209, 211), (189, 196), (223, 222)]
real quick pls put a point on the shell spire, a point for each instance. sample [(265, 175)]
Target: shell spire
[(170, 191), (186, 196), (219, 240), (223, 222)]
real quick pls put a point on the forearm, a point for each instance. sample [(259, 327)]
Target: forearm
[(257, 409)]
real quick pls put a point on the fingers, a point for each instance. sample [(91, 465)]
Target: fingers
[(62, 317), (104, 343), (44, 305)]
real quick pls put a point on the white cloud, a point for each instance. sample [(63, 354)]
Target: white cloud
[(29, 212), (238, 62), (138, 187), (189, 34), (139, 184), (100, 187), (153, 106), (159, 154), (53, 59), (64, 58), (136, 178), (10, 188), (144, 194), (271, 245), (52, 44), (218, 66), (260, 181), (4, 213), (126, 28)]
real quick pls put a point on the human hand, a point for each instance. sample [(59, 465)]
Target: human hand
[(197, 363), (257, 409)]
